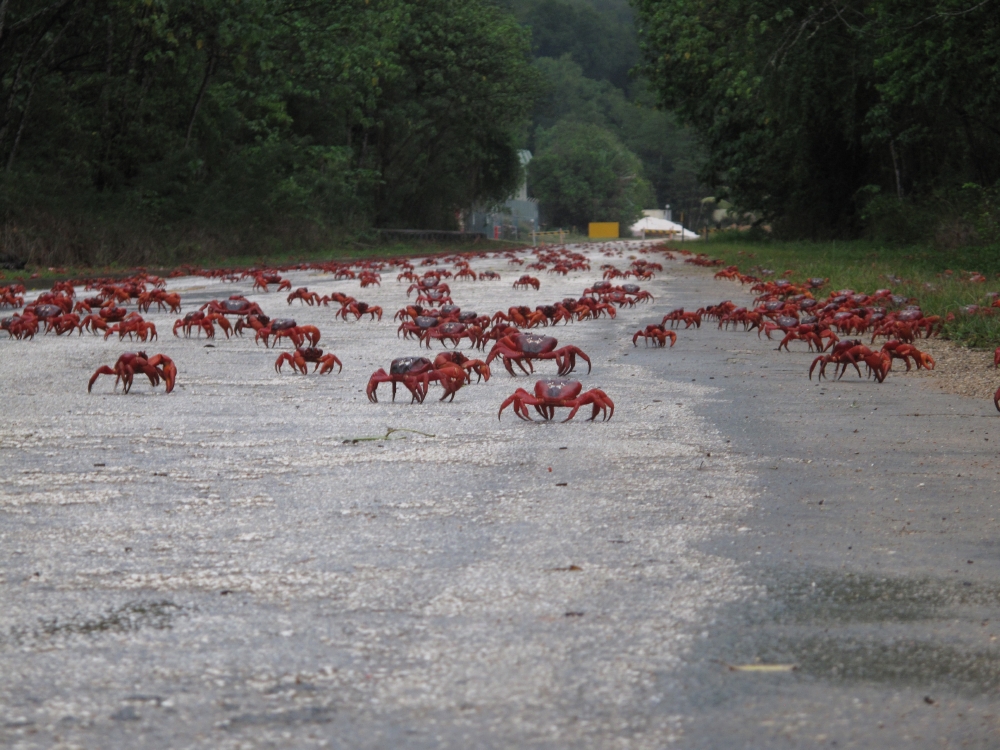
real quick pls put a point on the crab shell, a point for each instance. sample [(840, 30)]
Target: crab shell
[(407, 365), (535, 343), (558, 389)]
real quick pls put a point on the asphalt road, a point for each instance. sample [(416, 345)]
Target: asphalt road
[(240, 565)]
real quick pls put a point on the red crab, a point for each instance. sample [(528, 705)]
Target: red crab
[(429, 281), (521, 316), (522, 348), (170, 300), (20, 326), (550, 394), (469, 365), (156, 368), (235, 305), (263, 279), (850, 353), (417, 326), (415, 373), (303, 355), (452, 331), (658, 333), (489, 276), (133, 325), (678, 316), (63, 323), (525, 281), (899, 350), (436, 296), (310, 298), (358, 309), (196, 319), (287, 328)]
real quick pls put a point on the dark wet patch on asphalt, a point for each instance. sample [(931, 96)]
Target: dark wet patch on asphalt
[(850, 627), (128, 618)]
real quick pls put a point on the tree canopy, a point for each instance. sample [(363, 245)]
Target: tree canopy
[(582, 173), (806, 114), (585, 51), (393, 112)]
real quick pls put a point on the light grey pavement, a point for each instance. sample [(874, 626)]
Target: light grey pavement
[(224, 567)]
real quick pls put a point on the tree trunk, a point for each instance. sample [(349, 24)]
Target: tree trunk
[(209, 70), (20, 127)]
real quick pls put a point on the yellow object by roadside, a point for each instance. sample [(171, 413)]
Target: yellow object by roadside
[(603, 230)]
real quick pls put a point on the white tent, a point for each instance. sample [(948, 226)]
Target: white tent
[(649, 226)]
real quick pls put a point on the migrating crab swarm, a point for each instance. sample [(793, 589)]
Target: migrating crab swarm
[(156, 368), (552, 394), (303, 355), (416, 375), (522, 348)]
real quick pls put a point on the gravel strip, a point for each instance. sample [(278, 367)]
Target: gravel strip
[(959, 370)]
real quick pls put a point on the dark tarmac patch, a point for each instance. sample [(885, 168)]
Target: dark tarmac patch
[(865, 598), (866, 628), (128, 618), (311, 715), (967, 672)]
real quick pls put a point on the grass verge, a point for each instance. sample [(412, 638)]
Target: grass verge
[(37, 277)]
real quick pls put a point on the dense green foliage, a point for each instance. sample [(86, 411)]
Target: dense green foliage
[(252, 114), (818, 117), (670, 159), (582, 173), (599, 36)]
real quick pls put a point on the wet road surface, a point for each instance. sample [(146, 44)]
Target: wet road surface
[(246, 563)]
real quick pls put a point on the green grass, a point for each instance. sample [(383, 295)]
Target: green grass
[(936, 279)]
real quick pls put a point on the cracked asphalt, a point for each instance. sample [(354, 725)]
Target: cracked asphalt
[(255, 561)]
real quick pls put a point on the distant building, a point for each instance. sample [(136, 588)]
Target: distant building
[(514, 219)]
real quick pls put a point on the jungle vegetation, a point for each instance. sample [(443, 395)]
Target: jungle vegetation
[(134, 130), (841, 117)]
